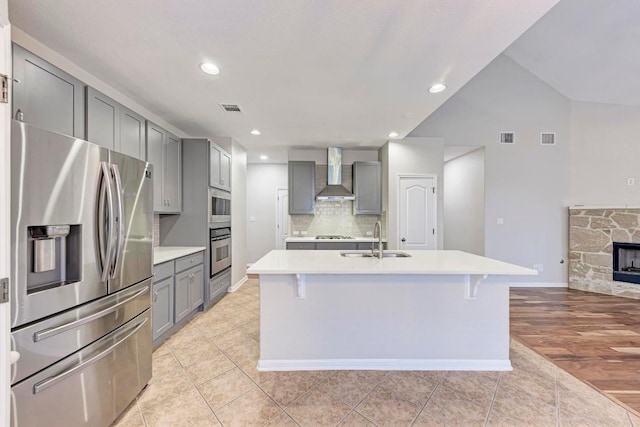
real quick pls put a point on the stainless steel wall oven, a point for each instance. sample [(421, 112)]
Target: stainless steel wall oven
[(220, 250)]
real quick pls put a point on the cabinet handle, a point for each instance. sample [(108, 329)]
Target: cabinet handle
[(155, 296)]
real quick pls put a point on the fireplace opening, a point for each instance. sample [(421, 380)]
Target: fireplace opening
[(626, 262)]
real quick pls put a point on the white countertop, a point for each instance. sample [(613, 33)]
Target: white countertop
[(167, 253), (313, 239), (420, 262)]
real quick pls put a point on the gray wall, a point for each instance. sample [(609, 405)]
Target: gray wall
[(605, 152), (526, 184), (415, 155), (464, 203), (262, 182), (238, 213)]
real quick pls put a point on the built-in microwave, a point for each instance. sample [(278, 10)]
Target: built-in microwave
[(219, 206)]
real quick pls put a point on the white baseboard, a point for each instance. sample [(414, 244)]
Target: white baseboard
[(385, 365), (237, 285), (538, 285)]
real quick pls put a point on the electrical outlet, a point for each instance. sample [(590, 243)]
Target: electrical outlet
[(252, 219), (304, 233), (296, 233), (500, 221), (538, 267), (369, 233), (631, 181)]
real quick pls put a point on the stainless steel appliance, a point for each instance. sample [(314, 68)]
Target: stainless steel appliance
[(81, 260), (220, 249), (219, 207)]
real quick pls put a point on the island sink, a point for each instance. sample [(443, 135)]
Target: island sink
[(386, 254)]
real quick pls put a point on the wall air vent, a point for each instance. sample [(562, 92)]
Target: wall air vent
[(548, 138), (507, 138), (231, 108)]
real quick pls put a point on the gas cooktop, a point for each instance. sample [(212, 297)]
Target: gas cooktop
[(332, 237)]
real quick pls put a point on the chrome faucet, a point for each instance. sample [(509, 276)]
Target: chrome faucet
[(377, 232)]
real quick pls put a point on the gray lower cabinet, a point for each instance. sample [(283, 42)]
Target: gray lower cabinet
[(162, 311), (302, 188), (164, 153), (336, 246), (367, 188), (219, 285), (367, 245), (45, 96), (301, 245), (178, 291)]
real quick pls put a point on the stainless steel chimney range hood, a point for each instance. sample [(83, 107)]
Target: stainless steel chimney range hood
[(334, 191)]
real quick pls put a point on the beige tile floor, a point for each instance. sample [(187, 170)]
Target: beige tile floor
[(205, 375)]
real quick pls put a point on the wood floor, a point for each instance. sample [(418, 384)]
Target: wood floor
[(593, 337)]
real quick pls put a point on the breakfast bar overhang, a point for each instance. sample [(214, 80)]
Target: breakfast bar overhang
[(434, 310)]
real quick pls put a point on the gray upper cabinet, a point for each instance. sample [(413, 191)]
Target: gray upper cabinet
[(46, 96), (219, 168), (367, 187), (114, 126), (164, 153), (302, 188), (102, 119)]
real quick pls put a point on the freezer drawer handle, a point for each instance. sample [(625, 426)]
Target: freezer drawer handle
[(48, 333), (51, 381)]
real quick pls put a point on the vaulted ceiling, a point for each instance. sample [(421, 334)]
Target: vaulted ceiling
[(304, 72)]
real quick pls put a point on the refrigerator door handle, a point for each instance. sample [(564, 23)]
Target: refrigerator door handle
[(45, 384), (120, 219), (47, 333), (102, 232)]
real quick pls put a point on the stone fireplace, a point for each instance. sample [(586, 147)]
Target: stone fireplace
[(592, 234)]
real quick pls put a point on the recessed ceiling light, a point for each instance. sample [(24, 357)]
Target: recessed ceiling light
[(437, 88), (255, 132), (393, 134), (210, 68), (263, 157)]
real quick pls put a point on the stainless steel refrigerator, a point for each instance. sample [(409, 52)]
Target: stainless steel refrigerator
[(81, 263)]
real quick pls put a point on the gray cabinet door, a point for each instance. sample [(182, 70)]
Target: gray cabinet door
[(214, 165), (102, 120), (173, 173), (155, 148), (181, 297), (225, 171), (162, 308), (367, 187), (196, 287), (46, 96), (367, 245), (302, 188), (132, 134)]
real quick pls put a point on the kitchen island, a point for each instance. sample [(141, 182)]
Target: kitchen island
[(434, 310)]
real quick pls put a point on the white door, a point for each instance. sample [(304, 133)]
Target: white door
[(282, 217), (5, 212), (417, 212)]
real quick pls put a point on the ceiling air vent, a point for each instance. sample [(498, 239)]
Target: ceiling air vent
[(231, 108), (548, 138), (507, 138)]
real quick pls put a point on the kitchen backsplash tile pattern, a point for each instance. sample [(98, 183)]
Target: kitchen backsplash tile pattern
[(156, 230), (334, 217)]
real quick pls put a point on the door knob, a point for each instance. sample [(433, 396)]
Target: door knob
[(403, 240)]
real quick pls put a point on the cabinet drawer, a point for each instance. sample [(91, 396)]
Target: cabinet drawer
[(189, 261), (367, 245), (336, 246), (219, 284), (162, 271), (301, 245)]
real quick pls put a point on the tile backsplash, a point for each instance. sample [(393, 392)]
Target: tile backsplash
[(156, 230)]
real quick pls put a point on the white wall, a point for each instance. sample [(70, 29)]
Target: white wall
[(238, 214), (605, 152), (320, 155), (526, 184), (262, 182), (464, 203), (413, 156)]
